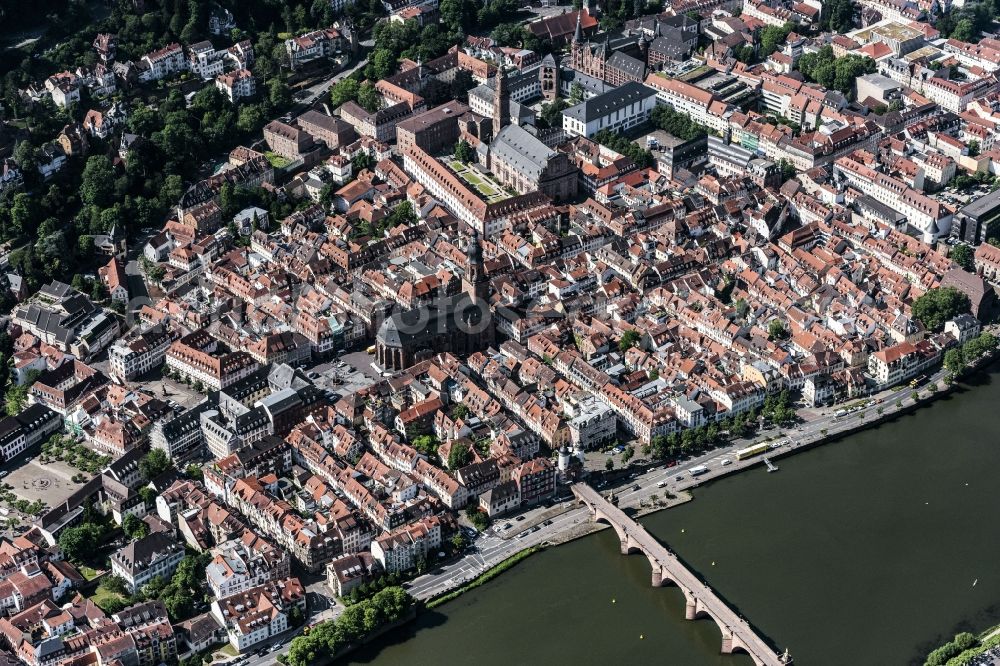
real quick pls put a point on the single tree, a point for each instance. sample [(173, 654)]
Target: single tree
[(964, 257), (628, 340), (153, 464)]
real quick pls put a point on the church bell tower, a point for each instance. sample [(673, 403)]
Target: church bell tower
[(475, 283), (501, 103)]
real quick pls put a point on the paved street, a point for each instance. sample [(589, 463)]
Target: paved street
[(496, 544), (312, 94), (492, 549), (540, 12)]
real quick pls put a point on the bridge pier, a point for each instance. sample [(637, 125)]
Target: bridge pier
[(700, 600), (727, 641), (691, 609)]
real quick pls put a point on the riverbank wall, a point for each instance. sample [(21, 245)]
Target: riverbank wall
[(846, 426), (891, 412)]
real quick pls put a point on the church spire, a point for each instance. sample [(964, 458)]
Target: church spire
[(577, 36), (475, 283)]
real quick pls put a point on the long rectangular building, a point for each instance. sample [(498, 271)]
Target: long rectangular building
[(617, 110), (923, 213), (488, 219), (432, 130)]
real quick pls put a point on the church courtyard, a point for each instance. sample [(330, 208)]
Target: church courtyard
[(481, 182)]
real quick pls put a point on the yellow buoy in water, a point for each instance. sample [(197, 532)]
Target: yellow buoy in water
[(641, 637), (682, 530), (614, 601), (713, 564)]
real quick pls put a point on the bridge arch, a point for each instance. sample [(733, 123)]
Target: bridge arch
[(619, 530), (701, 600)]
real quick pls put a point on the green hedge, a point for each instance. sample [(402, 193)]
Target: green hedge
[(485, 577), (963, 648)]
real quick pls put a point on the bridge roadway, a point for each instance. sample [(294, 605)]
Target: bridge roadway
[(737, 634)]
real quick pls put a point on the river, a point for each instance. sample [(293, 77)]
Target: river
[(858, 552)]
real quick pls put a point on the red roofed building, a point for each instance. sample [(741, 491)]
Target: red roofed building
[(560, 29), (113, 277), (312, 45), (536, 480)]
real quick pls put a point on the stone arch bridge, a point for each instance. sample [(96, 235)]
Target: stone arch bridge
[(701, 600)]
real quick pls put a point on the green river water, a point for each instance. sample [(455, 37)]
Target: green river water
[(859, 552)]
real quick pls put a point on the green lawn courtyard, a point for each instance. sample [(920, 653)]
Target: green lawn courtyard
[(277, 161), (102, 595), (481, 182)]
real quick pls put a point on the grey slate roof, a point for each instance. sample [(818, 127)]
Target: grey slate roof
[(625, 63), (609, 102), (516, 147)]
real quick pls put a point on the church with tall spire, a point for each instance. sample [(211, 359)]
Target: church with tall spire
[(461, 323), (474, 282), (518, 159)]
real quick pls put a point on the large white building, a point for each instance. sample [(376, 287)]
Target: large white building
[(955, 96), (400, 549), (131, 357), (64, 318), (21, 432), (312, 45), (163, 63), (702, 106), (240, 565), (143, 560), (899, 362), (594, 424), (923, 213), (237, 84), (193, 358), (205, 61), (259, 613), (617, 110)]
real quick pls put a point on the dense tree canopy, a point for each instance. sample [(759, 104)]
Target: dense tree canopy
[(679, 124), (551, 114), (838, 15), (963, 256), (968, 22), (153, 464), (459, 456), (939, 305), (79, 544), (832, 72), (357, 620), (771, 37), (91, 196), (345, 90), (621, 144)]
